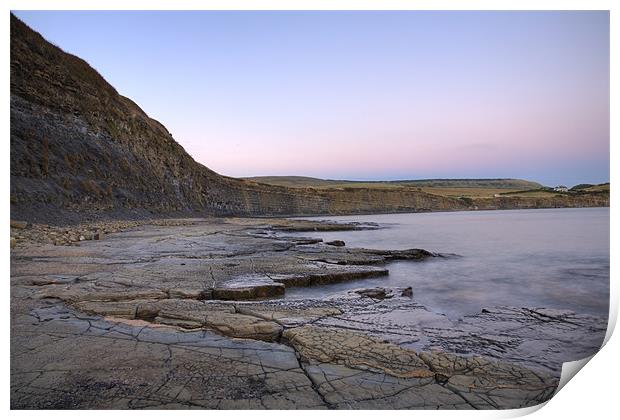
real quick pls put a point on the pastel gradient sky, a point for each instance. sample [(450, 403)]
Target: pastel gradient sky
[(362, 95)]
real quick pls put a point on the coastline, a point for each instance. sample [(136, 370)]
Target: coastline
[(200, 292), (141, 216)]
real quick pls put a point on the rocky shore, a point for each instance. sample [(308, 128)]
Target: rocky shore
[(188, 314)]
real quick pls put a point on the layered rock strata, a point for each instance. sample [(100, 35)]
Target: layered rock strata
[(133, 321)]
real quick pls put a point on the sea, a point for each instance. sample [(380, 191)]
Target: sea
[(547, 258)]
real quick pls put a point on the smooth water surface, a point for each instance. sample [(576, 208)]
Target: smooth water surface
[(553, 258)]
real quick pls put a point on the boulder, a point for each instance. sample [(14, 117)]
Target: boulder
[(18, 224), (376, 293)]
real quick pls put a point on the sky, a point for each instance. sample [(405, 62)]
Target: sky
[(362, 95)]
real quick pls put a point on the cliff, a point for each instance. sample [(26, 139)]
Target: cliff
[(81, 151)]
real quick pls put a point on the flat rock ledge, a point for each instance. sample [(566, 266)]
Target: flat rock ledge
[(180, 316)]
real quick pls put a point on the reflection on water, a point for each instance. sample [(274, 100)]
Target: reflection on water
[(555, 258)]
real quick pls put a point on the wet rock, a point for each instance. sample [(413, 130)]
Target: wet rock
[(407, 292), (375, 293), (532, 337), (306, 241), (405, 254), (13, 242), (343, 274), (336, 243), (319, 226)]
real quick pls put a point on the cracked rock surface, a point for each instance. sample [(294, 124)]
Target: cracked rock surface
[(188, 315)]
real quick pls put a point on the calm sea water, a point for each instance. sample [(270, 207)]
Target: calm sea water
[(554, 258)]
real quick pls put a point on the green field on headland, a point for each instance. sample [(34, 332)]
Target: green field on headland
[(454, 188)]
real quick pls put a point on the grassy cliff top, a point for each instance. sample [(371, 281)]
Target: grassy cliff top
[(304, 182)]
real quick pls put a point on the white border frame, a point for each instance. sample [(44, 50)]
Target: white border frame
[(592, 395)]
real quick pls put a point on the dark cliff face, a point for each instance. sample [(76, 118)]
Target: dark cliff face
[(80, 151)]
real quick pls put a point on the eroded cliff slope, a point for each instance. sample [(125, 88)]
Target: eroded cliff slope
[(81, 150)]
